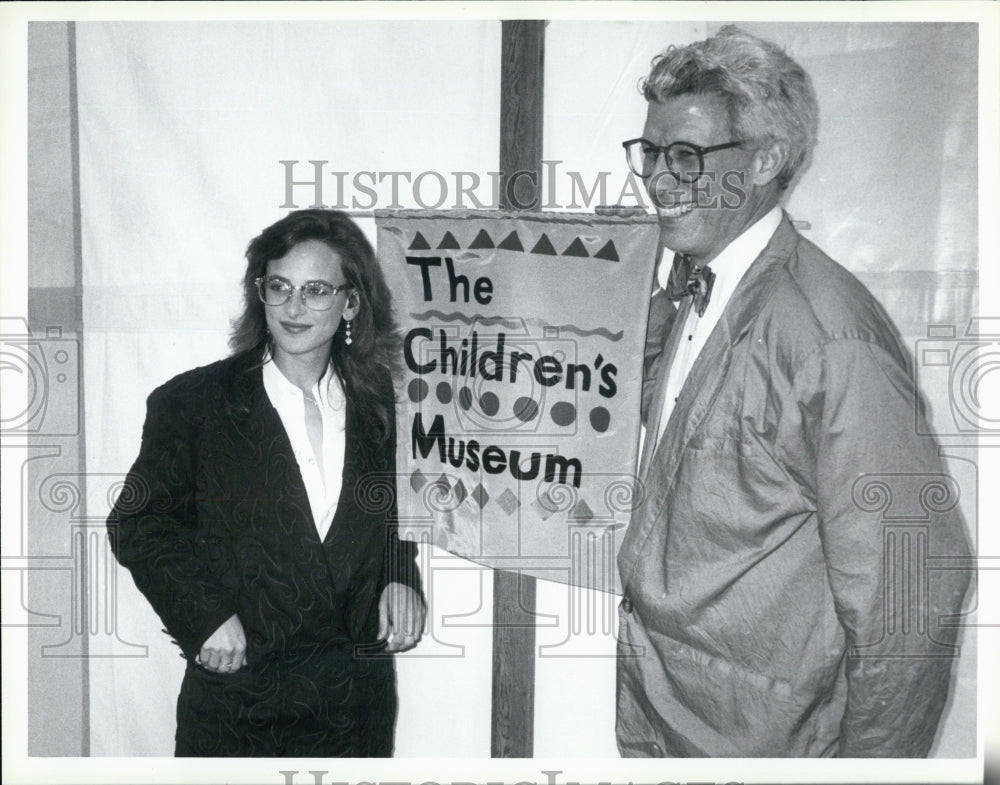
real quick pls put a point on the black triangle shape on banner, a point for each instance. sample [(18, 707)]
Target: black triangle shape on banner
[(448, 242), (544, 246), (576, 248), (483, 240), (608, 252), (511, 243), (419, 243)]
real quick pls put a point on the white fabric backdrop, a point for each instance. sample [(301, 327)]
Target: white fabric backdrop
[(890, 195), (182, 126)]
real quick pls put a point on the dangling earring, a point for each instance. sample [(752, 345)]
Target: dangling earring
[(347, 335)]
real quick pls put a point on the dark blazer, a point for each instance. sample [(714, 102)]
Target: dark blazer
[(214, 520)]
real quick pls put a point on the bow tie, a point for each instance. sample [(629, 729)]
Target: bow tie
[(687, 278)]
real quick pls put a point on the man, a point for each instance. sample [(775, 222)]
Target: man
[(758, 617)]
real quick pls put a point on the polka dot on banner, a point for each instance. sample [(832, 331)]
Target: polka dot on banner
[(525, 409), (417, 390), (465, 398), (444, 392), (600, 419), (489, 403), (563, 413)]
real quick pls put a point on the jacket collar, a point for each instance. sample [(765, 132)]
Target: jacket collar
[(249, 404), (243, 382), (707, 374), (744, 305), (703, 385)]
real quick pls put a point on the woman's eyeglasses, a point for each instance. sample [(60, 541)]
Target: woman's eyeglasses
[(317, 295)]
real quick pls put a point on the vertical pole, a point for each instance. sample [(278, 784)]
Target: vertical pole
[(521, 94), (522, 70), (58, 685)]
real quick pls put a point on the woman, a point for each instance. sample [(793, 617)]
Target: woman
[(258, 516)]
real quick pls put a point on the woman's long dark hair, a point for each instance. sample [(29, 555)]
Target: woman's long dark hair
[(363, 367)]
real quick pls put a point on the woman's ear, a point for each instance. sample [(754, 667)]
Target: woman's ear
[(353, 304)]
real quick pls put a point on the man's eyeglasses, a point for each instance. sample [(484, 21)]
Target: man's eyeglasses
[(684, 160), (317, 295)]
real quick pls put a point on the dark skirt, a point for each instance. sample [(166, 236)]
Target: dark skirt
[(338, 705)]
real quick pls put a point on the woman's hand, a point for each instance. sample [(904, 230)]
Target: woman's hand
[(225, 650), (401, 614)]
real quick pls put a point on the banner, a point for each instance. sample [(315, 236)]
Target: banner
[(518, 413)]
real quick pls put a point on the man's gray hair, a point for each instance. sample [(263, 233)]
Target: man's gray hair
[(769, 97)]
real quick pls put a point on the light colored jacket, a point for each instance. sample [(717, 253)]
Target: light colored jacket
[(772, 607)]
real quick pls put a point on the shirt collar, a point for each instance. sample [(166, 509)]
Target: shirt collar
[(736, 257), (326, 390)]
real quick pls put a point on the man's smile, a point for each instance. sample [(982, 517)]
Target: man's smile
[(675, 211)]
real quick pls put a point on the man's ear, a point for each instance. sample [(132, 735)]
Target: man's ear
[(768, 162)]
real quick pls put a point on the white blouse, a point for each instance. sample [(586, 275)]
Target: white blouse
[(322, 487)]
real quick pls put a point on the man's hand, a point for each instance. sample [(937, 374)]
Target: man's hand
[(225, 650), (401, 615)]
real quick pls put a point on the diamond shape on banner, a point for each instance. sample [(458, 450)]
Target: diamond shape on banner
[(419, 243), (459, 490), (544, 246), (511, 243), (483, 240), (508, 501), (480, 496), (442, 489), (576, 248), (543, 512), (448, 242), (546, 502), (581, 512), (417, 480), (608, 252)]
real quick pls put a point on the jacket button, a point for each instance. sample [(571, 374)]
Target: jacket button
[(626, 605)]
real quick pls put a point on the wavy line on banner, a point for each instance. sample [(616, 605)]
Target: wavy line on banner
[(512, 324)]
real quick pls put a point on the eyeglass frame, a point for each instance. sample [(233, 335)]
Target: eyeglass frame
[(664, 151), (336, 289)]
